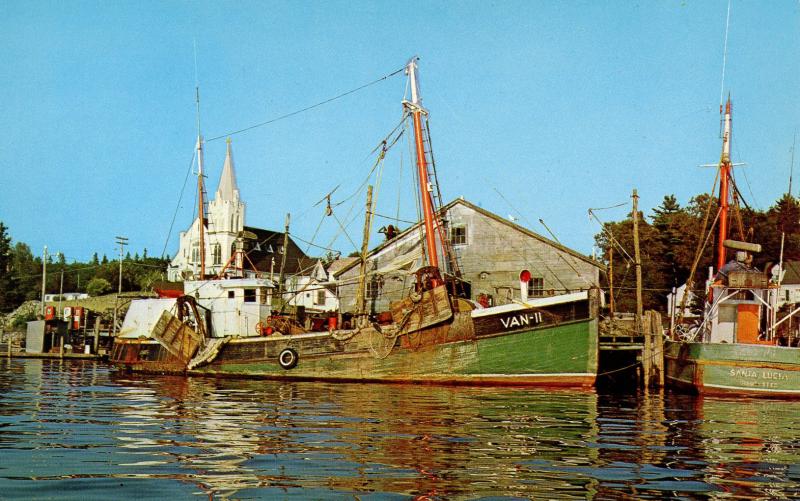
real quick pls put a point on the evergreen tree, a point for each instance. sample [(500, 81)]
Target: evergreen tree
[(27, 270), (95, 260), (105, 259), (7, 286)]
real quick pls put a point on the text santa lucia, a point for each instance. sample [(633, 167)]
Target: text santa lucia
[(432, 336)]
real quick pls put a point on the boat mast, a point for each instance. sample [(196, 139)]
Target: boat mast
[(724, 185), (200, 203), (416, 110)]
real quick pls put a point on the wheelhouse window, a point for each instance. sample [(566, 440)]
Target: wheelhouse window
[(458, 235), (249, 295), (536, 287)]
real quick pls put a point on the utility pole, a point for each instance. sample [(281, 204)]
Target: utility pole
[(122, 242), (638, 259), (44, 276), (611, 279)]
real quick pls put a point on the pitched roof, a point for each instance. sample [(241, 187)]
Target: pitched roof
[(342, 264), (266, 246), (227, 188), (488, 214)]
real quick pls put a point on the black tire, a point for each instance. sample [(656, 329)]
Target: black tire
[(288, 358)]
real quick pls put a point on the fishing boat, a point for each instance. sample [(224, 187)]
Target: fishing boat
[(739, 346), (226, 327)]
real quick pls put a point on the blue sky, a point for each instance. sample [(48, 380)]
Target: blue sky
[(538, 110)]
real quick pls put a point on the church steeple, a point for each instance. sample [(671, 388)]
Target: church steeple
[(227, 189)]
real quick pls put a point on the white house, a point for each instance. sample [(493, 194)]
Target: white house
[(312, 289)]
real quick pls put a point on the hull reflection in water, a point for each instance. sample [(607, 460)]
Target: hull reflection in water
[(68, 428)]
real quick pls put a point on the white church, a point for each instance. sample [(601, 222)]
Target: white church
[(262, 249), (224, 223)]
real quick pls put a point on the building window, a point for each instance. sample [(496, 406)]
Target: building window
[(458, 235), (536, 287), (373, 289), (216, 253), (195, 253), (320, 297), (249, 295)]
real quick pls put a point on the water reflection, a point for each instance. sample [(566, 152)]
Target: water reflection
[(66, 426)]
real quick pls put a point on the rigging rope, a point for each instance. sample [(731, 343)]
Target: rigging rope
[(307, 108), (178, 206)]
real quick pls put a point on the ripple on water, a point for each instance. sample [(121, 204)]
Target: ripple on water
[(83, 427)]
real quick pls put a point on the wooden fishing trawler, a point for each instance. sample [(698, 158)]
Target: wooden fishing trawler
[(739, 348), (435, 335)]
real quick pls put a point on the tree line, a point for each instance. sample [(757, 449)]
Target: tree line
[(21, 273), (673, 236)]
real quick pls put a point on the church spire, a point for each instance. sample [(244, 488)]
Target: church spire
[(227, 189)]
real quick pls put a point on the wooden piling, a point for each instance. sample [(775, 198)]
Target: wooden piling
[(653, 350)]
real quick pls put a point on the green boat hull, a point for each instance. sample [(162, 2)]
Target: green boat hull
[(733, 368), (565, 355)]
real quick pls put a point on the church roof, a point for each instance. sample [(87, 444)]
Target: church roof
[(227, 189)]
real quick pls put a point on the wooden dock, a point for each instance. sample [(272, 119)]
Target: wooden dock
[(624, 347)]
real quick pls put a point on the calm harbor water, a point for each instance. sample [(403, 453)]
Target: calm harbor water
[(82, 430)]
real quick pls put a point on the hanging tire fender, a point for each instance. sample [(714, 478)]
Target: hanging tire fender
[(287, 358)]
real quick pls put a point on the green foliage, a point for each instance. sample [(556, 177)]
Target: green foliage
[(682, 237), (21, 273), (98, 286), (21, 321), (7, 286)]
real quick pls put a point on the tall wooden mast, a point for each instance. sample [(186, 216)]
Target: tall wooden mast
[(201, 213), (724, 185), (416, 110)]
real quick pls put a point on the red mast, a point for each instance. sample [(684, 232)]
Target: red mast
[(416, 110), (724, 183)]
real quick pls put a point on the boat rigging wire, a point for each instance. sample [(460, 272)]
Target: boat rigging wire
[(307, 108), (178, 206), (544, 262), (614, 241), (606, 208)]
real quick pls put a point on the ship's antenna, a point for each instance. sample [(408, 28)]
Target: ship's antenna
[(724, 56)]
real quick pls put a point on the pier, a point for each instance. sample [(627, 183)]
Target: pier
[(629, 355)]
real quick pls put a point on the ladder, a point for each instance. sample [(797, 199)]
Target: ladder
[(450, 259)]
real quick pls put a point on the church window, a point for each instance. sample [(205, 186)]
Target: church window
[(216, 252), (195, 252)]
